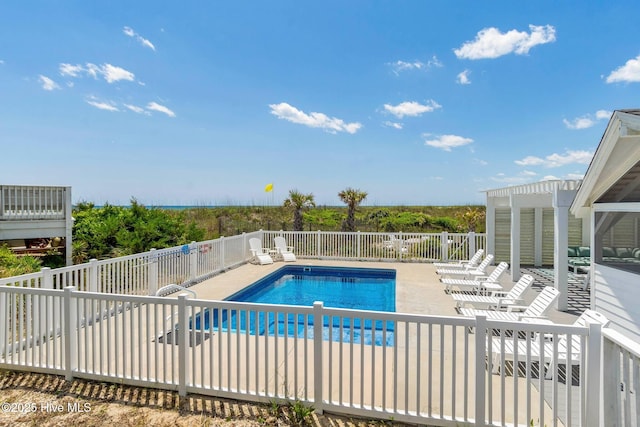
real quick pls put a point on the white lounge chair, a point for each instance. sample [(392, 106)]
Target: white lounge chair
[(480, 270), (284, 251), (396, 244), (464, 263), (480, 284), (505, 348), (260, 254), (498, 300), (537, 309)]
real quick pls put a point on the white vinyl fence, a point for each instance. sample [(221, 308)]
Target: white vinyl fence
[(621, 387), (420, 247), (101, 320), (145, 273), (423, 369)]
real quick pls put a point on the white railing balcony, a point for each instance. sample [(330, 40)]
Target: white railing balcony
[(26, 202)]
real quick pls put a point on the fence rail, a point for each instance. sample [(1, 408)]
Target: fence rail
[(145, 273), (419, 247), (101, 320), (436, 370), (621, 388)]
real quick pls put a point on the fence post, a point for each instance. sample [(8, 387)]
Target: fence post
[(153, 271), (93, 275), (610, 382), (358, 245), (594, 371), (223, 262), (471, 238), (319, 234), (183, 344), (4, 318), (444, 246), (47, 278), (193, 262), (481, 368), (70, 333), (318, 359), (400, 244), (244, 246)]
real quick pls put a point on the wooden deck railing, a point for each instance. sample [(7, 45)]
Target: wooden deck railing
[(23, 202)]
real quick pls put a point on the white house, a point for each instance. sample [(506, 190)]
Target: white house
[(610, 196)]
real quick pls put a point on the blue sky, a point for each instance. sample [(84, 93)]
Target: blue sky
[(204, 103)]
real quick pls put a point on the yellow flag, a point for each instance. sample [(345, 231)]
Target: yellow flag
[(268, 188)]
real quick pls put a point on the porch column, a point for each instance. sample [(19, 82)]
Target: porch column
[(561, 202), (515, 238), (537, 236), (68, 219), (490, 226)]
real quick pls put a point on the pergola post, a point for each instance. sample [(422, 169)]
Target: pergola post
[(490, 222), (561, 202), (515, 238)]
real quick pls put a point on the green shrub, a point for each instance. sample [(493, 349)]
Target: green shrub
[(13, 265)]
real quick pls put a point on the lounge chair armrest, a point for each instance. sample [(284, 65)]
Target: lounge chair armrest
[(481, 278), (508, 302), (516, 307), (499, 294)]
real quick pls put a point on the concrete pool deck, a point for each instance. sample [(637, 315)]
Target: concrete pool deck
[(418, 289)]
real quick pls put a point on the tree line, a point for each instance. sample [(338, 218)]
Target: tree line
[(110, 231)]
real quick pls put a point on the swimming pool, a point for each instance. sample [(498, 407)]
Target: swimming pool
[(337, 287)]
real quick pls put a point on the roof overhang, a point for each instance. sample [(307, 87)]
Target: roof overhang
[(542, 187), (617, 153)]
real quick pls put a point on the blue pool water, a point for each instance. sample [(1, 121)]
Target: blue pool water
[(339, 287)]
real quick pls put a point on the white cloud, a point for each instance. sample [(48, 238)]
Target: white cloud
[(463, 77), (447, 142), (47, 83), (108, 106), (160, 108), (110, 73), (412, 108), (144, 42), (393, 125), (529, 173), (71, 70), (491, 43), (137, 109), (629, 72), (556, 160), (400, 66), (550, 178), (315, 120), (583, 122), (587, 121)]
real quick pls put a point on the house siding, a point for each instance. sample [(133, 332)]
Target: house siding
[(616, 297)]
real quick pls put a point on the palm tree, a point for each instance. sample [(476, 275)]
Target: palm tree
[(298, 202), (353, 198)]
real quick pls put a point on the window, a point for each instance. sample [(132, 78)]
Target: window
[(617, 240)]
